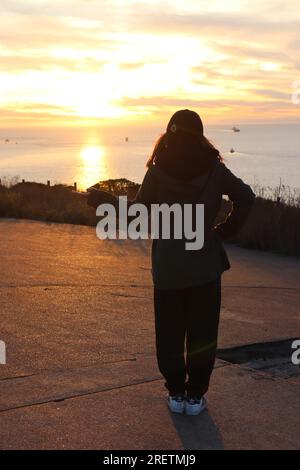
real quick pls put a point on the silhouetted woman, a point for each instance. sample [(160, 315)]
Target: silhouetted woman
[(186, 168)]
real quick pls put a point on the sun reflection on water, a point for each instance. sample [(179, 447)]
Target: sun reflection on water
[(93, 166)]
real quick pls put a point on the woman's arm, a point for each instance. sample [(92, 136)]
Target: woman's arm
[(242, 198)]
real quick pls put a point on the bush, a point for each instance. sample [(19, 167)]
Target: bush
[(272, 225)]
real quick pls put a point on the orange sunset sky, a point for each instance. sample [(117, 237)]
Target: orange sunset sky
[(80, 62)]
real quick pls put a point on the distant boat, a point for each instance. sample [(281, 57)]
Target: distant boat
[(232, 151), (6, 141), (236, 129), (126, 139)]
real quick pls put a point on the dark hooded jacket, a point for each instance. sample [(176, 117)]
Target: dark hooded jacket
[(172, 265)]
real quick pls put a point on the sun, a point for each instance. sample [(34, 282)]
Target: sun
[(92, 95)]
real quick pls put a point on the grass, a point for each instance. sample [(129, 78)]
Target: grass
[(273, 225)]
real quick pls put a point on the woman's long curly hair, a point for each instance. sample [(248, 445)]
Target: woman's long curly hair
[(183, 155)]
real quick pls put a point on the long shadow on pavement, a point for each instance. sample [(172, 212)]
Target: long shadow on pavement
[(198, 432)]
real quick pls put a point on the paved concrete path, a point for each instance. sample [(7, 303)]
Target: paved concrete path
[(77, 320)]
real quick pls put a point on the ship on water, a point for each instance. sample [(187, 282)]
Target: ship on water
[(236, 129)]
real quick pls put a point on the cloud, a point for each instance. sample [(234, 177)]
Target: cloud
[(45, 32), (35, 112), (19, 64), (263, 51), (131, 66), (266, 75), (161, 101), (210, 24), (245, 54), (18, 108), (277, 95), (217, 109), (57, 7)]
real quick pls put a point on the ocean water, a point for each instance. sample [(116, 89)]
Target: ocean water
[(264, 154)]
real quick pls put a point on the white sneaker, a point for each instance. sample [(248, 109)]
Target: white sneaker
[(176, 403), (194, 405)]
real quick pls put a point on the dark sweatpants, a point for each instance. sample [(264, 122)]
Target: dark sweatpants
[(190, 314)]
